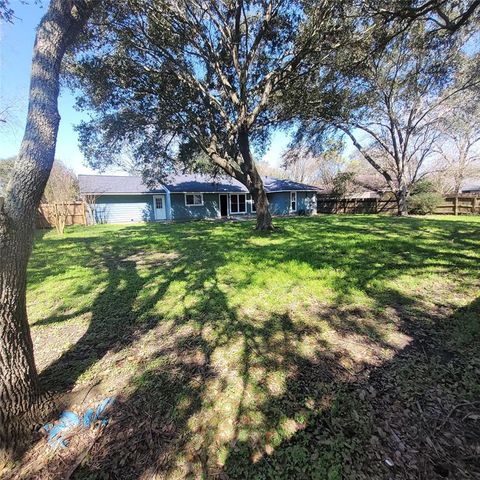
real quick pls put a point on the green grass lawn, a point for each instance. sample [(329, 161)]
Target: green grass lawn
[(321, 350)]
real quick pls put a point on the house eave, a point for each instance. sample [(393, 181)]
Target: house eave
[(102, 194)]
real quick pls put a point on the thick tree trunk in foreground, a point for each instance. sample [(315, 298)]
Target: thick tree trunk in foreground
[(20, 399), (254, 183)]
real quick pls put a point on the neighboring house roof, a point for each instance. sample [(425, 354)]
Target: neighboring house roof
[(362, 195), (115, 184), (471, 185), (352, 195)]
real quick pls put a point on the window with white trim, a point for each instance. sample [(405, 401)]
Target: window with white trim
[(193, 199), (254, 207), (238, 203), (293, 201), (159, 202)]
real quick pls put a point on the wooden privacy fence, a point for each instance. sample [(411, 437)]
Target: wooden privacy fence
[(355, 205), (76, 214), (464, 205)]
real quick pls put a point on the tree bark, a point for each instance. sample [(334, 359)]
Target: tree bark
[(259, 196), (19, 387), (21, 403), (402, 197), (254, 183)]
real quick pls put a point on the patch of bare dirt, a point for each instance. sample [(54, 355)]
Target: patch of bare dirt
[(153, 259)]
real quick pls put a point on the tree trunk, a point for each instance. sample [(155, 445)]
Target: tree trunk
[(402, 197), (254, 183), (259, 196), (20, 399)]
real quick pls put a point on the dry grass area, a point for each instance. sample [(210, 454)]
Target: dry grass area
[(334, 347)]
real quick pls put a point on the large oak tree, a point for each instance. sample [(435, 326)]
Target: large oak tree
[(458, 148), (21, 401), (177, 78), (388, 102)]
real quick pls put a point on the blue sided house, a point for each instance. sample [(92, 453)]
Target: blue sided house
[(123, 199)]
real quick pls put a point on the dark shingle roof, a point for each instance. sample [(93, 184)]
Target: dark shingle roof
[(111, 184), (276, 185), (202, 183), (471, 185)]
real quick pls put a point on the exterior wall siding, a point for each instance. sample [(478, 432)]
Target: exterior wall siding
[(279, 203), (209, 209), (124, 209), (139, 208), (307, 202)]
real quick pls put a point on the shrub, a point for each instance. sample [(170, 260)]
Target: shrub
[(342, 184), (424, 199)]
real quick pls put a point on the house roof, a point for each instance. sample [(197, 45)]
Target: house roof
[(115, 184), (471, 185), (277, 185), (202, 183)]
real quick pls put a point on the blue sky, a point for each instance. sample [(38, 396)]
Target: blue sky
[(16, 42)]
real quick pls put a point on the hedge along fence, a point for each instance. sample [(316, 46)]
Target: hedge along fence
[(76, 214), (464, 205)]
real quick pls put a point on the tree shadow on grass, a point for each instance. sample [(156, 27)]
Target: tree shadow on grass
[(119, 314), (414, 417), (224, 378), (227, 390), (112, 326), (275, 412)]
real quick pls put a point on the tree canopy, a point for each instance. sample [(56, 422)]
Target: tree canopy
[(458, 145), (443, 17), (390, 104), (178, 78), (192, 81)]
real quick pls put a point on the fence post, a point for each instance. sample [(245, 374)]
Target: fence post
[(455, 206), (84, 215), (474, 205)]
